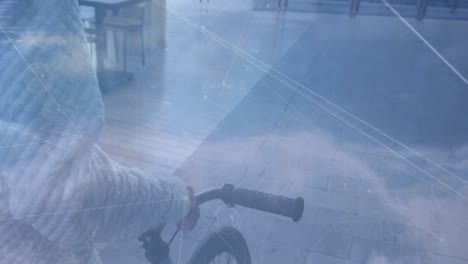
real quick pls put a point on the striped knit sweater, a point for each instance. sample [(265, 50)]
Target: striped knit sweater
[(59, 193)]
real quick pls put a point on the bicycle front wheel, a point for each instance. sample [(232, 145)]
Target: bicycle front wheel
[(226, 245)]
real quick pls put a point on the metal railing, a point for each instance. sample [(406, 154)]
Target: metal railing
[(446, 9)]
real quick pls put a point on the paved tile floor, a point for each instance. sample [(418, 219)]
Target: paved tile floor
[(358, 116)]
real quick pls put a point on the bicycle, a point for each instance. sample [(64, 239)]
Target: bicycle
[(226, 243)]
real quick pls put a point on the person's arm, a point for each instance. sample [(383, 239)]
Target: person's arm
[(52, 116), (113, 201), (90, 197)]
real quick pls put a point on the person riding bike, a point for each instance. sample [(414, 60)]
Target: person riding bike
[(60, 194)]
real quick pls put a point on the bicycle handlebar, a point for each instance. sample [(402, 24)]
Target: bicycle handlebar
[(269, 203), (266, 202), (156, 250)]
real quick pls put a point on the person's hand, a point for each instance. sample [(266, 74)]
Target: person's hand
[(190, 220)]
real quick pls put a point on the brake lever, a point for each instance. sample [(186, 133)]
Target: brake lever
[(156, 249)]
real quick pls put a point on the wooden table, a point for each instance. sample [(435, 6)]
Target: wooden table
[(105, 77)]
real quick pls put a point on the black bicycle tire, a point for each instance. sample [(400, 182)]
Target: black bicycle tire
[(224, 240)]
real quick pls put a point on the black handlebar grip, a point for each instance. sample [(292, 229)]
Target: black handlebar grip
[(269, 203)]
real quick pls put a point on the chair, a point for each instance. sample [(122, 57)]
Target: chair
[(87, 18), (127, 25), (90, 39)]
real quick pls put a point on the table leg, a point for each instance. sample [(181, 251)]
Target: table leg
[(100, 42), (106, 78)]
